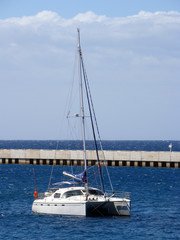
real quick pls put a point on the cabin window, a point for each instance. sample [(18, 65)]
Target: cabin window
[(95, 192), (57, 195), (72, 193)]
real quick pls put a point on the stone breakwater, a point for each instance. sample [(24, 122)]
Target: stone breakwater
[(75, 157)]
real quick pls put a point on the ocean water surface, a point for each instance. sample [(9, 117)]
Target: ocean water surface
[(155, 205)]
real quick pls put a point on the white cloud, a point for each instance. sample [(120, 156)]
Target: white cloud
[(90, 17), (126, 54)]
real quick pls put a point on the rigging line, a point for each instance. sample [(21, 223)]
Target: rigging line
[(70, 95), (96, 174), (94, 135), (52, 170), (96, 208), (49, 184), (67, 106), (65, 109), (95, 119), (34, 178), (72, 134)]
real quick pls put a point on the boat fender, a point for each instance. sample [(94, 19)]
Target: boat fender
[(35, 193)]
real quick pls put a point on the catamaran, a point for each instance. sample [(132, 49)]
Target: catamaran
[(78, 197)]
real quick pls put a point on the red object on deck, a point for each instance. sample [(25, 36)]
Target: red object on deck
[(35, 193)]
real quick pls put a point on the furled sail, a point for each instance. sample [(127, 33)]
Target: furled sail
[(65, 183), (80, 177)]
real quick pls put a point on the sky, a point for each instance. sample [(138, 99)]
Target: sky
[(132, 57)]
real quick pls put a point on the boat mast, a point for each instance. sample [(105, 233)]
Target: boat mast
[(82, 70), (82, 115)]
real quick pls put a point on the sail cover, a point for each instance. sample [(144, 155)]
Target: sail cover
[(80, 177), (64, 183)]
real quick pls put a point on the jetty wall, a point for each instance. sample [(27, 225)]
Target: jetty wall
[(75, 157)]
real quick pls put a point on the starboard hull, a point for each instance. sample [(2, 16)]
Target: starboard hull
[(108, 208)]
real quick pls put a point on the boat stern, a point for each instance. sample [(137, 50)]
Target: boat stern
[(123, 207)]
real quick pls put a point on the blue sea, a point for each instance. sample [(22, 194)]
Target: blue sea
[(155, 198)]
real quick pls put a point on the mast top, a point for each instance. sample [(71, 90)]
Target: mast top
[(78, 45)]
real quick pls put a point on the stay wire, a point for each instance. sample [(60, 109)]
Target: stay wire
[(93, 129), (95, 119), (67, 106)]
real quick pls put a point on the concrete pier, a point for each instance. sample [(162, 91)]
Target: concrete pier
[(75, 157)]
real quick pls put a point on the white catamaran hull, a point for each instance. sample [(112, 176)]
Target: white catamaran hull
[(86, 208), (76, 209)]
